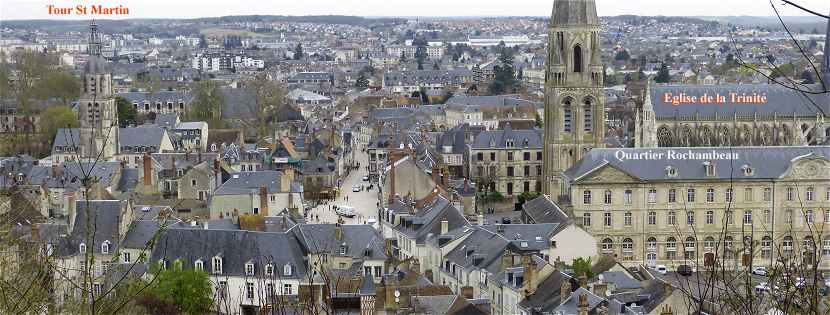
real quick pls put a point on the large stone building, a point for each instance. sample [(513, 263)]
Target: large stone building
[(670, 205), (97, 112), (508, 161), (574, 99)]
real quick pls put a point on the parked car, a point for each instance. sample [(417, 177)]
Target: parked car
[(365, 178), (764, 287), (661, 269), (685, 270), (356, 188), (346, 211), (761, 271)]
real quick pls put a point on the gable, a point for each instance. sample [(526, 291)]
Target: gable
[(808, 167), (606, 174)]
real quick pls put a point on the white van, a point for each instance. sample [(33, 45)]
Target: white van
[(661, 269), (346, 211)]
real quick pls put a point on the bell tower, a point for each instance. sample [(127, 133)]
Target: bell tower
[(574, 99), (97, 112)]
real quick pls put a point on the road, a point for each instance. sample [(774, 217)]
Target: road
[(364, 202)]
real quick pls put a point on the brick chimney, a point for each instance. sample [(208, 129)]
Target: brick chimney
[(338, 231), (564, 290), (148, 170), (582, 309), (285, 179), (263, 201), (531, 277)]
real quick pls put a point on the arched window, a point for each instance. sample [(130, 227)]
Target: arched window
[(105, 247), (709, 243), (607, 197), (588, 118), (286, 270), (567, 116), (607, 245), (577, 58), (82, 248), (651, 243), (628, 245), (199, 265)]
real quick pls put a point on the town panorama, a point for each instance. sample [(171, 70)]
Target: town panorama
[(563, 164)]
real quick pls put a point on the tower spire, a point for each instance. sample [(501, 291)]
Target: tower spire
[(94, 47)]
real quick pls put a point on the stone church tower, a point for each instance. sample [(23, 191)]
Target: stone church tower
[(97, 111), (574, 99), (645, 123)]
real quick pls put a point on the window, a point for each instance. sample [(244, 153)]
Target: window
[(727, 216), (728, 196), (809, 194), (510, 171), (492, 156), (766, 247), (671, 247), (269, 289), (567, 115), (827, 216), (105, 247), (672, 195), (97, 288), (538, 170), (790, 194), (710, 217), (690, 195), (689, 248), (127, 258), (577, 58), (627, 245), (538, 156), (527, 171), (808, 216), (748, 217), (652, 195), (825, 247), (651, 244), (342, 250), (527, 156), (378, 271), (82, 248), (586, 219), (199, 265), (287, 289), (767, 216), (286, 270), (217, 265), (510, 156), (256, 210), (222, 289), (586, 197), (509, 188), (671, 219), (652, 218), (627, 196), (249, 290), (269, 269), (606, 219), (710, 195), (480, 156), (827, 194), (747, 194), (607, 197), (709, 243), (627, 219), (788, 216), (249, 269), (588, 120), (193, 182), (607, 245), (690, 217), (767, 194)]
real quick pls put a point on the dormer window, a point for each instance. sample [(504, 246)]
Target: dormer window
[(105, 247), (748, 170), (249, 269), (217, 265), (287, 270), (509, 143), (710, 168), (343, 249), (671, 171), (269, 269), (199, 265), (82, 248)]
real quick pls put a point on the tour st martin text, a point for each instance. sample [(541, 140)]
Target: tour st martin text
[(94, 9)]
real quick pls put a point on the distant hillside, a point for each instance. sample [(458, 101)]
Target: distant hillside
[(798, 24)]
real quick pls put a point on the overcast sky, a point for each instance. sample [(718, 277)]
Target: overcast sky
[(37, 9)]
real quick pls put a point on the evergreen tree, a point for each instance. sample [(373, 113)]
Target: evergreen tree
[(663, 75), (298, 52), (127, 113)]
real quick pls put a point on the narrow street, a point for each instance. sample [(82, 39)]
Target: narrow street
[(364, 202)]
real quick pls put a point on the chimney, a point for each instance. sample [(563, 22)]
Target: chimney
[(35, 233), (392, 179), (338, 231), (583, 281), (285, 180), (263, 201), (582, 309), (564, 290), (148, 170), (480, 218), (445, 226), (666, 310), (530, 276), (467, 292), (557, 263)]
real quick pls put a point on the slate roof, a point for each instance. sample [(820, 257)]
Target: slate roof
[(141, 232), (158, 96), (571, 305), (455, 138), (489, 101), (488, 243), (238, 103), (144, 135), (547, 294), (766, 162), (427, 219), (67, 137), (105, 218), (250, 182), (236, 247), (543, 210), (497, 139), (413, 77), (780, 100), (166, 120), (320, 238)]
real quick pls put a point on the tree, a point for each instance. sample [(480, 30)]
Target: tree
[(54, 118), (270, 97), (127, 113), (582, 266), (663, 74), (298, 51), (505, 75), (807, 77), (59, 85), (362, 82), (188, 289), (207, 104), (622, 55)]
